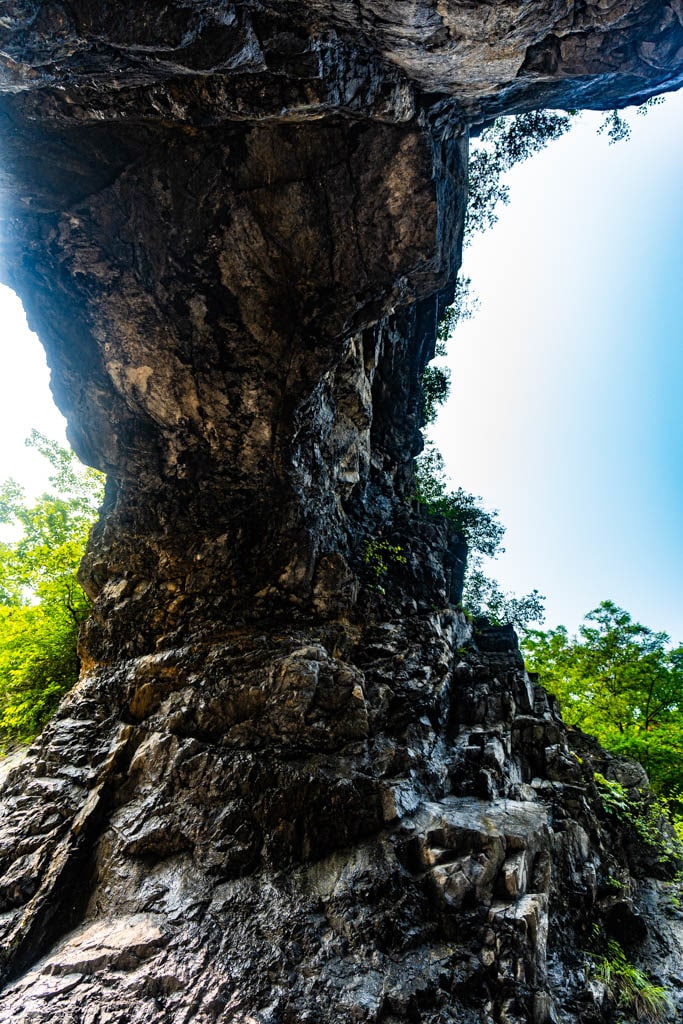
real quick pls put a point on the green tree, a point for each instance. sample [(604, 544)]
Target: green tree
[(436, 379), (41, 602), (512, 140), (616, 125), (621, 682), (484, 597), (502, 145), (484, 532), (478, 526)]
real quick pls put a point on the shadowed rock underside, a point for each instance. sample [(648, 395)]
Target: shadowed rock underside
[(292, 784)]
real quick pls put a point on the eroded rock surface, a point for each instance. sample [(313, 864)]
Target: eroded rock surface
[(290, 786), (339, 824)]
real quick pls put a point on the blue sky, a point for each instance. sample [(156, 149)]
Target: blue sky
[(566, 406)]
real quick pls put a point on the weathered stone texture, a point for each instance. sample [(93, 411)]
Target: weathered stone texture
[(290, 785)]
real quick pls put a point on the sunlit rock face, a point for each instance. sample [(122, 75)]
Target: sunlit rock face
[(291, 785)]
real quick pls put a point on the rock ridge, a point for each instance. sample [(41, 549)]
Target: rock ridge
[(299, 827)]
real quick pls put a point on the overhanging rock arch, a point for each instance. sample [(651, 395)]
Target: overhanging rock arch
[(282, 791)]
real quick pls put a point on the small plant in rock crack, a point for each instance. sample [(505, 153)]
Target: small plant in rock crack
[(379, 556), (628, 987), (614, 797)]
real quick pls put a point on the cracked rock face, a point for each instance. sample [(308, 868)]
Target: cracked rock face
[(291, 785)]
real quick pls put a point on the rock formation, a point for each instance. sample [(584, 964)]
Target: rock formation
[(291, 786)]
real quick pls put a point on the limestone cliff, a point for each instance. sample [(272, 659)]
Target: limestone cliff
[(284, 790)]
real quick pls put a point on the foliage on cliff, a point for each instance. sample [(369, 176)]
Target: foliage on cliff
[(41, 603), (502, 145), (484, 532)]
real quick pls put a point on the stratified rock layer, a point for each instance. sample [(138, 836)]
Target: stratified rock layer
[(376, 823), (290, 786)]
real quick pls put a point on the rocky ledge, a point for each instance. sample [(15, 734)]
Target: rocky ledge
[(382, 823), (291, 785)]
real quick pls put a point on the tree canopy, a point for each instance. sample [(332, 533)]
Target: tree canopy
[(502, 145), (623, 683), (41, 602), (484, 533)]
